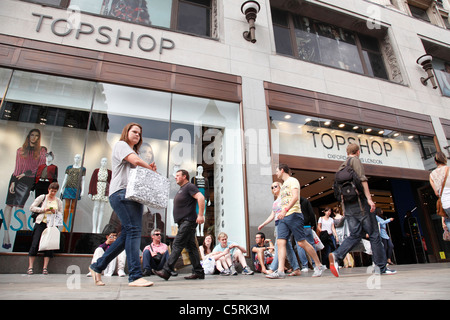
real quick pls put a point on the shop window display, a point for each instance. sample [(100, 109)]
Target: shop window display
[(62, 129)]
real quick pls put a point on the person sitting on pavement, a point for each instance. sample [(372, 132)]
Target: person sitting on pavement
[(117, 263), (155, 254), (235, 252), (262, 253)]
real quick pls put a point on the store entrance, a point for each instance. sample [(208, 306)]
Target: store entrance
[(403, 200)]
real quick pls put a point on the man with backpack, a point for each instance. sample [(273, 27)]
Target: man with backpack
[(359, 212)]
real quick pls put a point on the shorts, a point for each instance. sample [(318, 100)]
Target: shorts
[(291, 224)]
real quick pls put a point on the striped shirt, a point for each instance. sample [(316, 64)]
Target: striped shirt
[(28, 164)]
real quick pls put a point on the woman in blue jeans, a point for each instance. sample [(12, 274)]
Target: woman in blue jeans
[(124, 157)]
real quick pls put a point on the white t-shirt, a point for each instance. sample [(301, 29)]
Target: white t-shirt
[(120, 167), (326, 224)]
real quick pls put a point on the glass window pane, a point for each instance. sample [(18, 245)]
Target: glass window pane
[(194, 19), (114, 107), (280, 17), (148, 12), (5, 77), (57, 109), (207, 133), (282, 40), (50, 2)]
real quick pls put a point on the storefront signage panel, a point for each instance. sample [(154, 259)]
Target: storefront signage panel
[(69, 27), (330, 144)]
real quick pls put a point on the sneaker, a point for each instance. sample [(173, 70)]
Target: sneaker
[(276, 275), (233, 271), (121, 273), (318, 271), (246, 271), (225, 272), (334, 265), (389, 271), (305, 269)]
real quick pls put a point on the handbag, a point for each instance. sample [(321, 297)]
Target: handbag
[(439, 209), (148, 188), (446, 235), (50, 237)]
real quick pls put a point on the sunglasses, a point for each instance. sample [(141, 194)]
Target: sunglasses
[(157, 234), (274, 187)]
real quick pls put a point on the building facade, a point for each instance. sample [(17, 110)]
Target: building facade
[(320, 75)]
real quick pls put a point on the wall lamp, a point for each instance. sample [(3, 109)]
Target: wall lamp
[(250, 9), (425, 62)]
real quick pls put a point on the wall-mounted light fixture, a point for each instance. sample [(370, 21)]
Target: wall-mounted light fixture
[(425, 62), (250, 9)]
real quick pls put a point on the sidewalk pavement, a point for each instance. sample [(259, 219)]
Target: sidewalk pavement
[(429, 281)]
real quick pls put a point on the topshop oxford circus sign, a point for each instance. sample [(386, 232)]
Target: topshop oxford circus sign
[(331, 144), (73, 27)]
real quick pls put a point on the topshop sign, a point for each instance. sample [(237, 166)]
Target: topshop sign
[(73, 27), (324, 143)]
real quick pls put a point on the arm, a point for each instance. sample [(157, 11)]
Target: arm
[(268, 220), (368, 196), (136, 161), (235, 245), (201, 207), (434, 187), (294, 199)]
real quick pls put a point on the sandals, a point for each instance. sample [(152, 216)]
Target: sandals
[(30, 271), (45, 271)]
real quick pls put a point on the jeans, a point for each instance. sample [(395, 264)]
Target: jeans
[(361, 221), (302, 253), (130, 215), (149, 263), (185, 238)]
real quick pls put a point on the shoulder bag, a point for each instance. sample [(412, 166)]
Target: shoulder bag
[(148, 187), (439, 209), (50, 237)]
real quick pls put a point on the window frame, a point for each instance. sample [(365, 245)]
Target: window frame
[(295, 54)]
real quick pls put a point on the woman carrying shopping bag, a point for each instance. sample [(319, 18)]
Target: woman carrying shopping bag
[(45, 206)]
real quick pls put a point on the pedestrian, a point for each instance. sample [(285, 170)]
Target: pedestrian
[(437, 177), (262, 253), (360, 218), (184, 214), (387, 242), (309, 224), (45, 205), (327, 234), (276, 209), (233, 253), (291, 222), (125, 155), (155, 255)]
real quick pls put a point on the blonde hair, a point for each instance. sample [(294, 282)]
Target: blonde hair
[(222, 235)]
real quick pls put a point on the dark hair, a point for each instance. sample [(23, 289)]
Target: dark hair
[(440, 157), (263, 236), (54, 186), (284, 167), (184, 173)]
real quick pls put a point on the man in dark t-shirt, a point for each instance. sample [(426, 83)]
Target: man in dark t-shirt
[(184, 214)]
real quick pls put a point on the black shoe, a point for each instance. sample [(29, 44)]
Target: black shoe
[(173, 273), (162, 273), (147, 273), (195, 276)]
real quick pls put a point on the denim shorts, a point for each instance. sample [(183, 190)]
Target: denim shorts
[(291, 224)]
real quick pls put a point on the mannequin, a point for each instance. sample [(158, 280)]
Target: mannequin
[(203, 186), (28, 158), (99, 192), (46, 174), (69, 187)]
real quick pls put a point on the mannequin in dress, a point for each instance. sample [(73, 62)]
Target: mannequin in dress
[(69, 187), (99, 192), (203, 186), (46, 174)]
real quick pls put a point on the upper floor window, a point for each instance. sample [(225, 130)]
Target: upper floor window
[(191, 16), (327, 44)]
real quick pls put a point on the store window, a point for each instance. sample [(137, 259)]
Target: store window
[(191, 16), (306, 136), (79, 122), (315, 41)]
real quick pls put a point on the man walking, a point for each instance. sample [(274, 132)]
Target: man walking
[(360, 217), (185, 216), (291, 222)]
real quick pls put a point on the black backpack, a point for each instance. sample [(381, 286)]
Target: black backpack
[(347, 185)]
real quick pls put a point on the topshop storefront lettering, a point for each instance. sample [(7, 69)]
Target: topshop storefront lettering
[(65, 27)]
